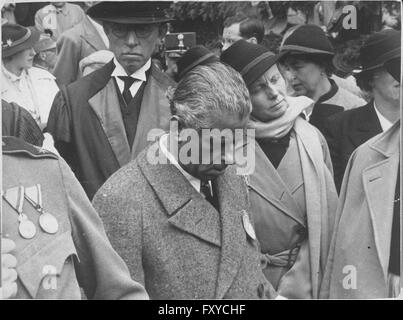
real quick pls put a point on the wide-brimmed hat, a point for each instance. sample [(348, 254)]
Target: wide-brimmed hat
[(308, 39), (379, 48), (16, 38), (195, 56), (131, 12), (250, 60)]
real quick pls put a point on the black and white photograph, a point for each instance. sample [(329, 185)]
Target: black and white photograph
[(201, 150)]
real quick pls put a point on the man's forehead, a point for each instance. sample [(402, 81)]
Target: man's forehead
[(232, 31)]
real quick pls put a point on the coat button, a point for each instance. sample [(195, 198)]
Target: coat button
[(260, 290)]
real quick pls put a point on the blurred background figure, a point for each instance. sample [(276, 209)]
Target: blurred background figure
[(175, 46), (58, 17), (7, 12), (241, 26), (30, 87), (45, 50), (77, 43), (391, 17)]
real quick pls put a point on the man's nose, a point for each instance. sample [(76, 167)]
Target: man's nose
[(131, 39)]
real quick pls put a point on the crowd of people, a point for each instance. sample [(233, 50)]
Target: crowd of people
[(85, 204)]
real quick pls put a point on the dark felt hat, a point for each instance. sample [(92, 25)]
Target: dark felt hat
[(195, 56), (394, 66), (250, 60), (16, 38), (379, 48), (307, 39), (131, 12)]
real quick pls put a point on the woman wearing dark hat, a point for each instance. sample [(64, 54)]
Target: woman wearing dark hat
[(306, 56), (367, 237), (347, 130), (292, 193), (30, 87)]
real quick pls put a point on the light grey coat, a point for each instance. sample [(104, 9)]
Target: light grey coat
[(359, 253)]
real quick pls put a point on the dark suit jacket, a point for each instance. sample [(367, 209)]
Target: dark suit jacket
[(72, 46), (87, 125), (346, 131), (174, 241)]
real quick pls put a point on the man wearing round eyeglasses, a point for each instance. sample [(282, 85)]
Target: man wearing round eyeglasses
[(101, 121)]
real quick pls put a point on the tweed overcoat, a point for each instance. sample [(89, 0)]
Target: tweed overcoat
[(174, 241)]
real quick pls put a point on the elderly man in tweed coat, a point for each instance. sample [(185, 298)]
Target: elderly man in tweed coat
[(179, 238)]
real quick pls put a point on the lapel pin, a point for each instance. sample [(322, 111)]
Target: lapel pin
[(248, 225)]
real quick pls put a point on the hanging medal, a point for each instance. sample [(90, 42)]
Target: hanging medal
[(15, 198), (47, 221)]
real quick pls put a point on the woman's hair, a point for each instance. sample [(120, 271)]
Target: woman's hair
[(364, 81), (206, 93), (324, 61)]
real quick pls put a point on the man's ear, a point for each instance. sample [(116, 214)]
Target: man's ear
[(179, 123), (42, 56), (252, 40)]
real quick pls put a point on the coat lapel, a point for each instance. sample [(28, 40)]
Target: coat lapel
[(187, 210), (233, 233), (106, 106), (91, 35), (311, 161), (366, 125), (154, 113), (273, 190), (380, 190)]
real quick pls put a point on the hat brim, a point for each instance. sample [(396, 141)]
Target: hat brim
[(394, 54), (27, 44), (287, 53), (208, 58), (394, 67), (259, 69), (122, 20)]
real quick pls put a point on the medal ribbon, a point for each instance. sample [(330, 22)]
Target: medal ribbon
[(34, 196), (15, 198)]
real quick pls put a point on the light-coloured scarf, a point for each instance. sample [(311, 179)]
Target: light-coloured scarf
[(277, 128)]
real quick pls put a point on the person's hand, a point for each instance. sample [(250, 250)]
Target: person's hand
[(8, 287)]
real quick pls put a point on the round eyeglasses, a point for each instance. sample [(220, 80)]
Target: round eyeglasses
[(141, 30)]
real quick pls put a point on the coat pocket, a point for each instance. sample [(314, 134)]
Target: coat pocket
[(43, 267)]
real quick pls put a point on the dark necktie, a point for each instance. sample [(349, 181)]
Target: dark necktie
[(127, 96), (206, 190)]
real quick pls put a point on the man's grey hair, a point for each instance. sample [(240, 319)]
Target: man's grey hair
[(207, 93)]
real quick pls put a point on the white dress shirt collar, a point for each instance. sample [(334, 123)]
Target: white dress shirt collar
[(13, 77), (140, 75), (385, 123), (163, 146)]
